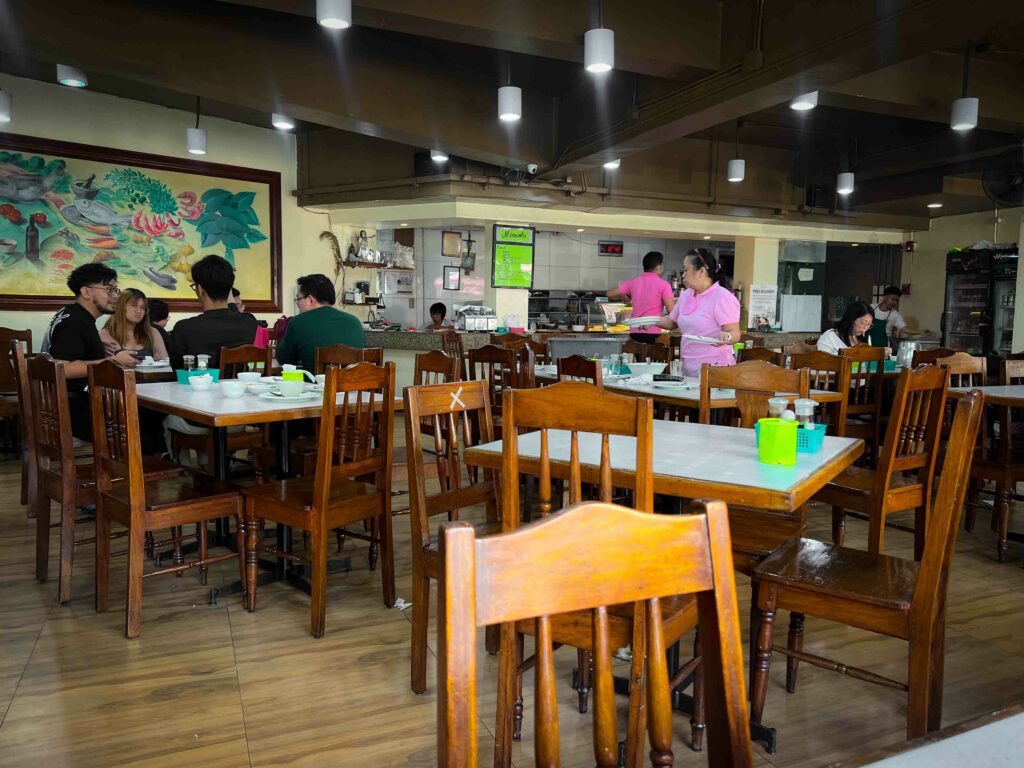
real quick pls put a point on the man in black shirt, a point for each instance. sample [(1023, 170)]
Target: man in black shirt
[(75, 339), (158, 314)]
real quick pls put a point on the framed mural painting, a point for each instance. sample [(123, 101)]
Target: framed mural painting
[(148, 217)]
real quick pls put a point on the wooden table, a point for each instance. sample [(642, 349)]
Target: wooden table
[(1010, 396)]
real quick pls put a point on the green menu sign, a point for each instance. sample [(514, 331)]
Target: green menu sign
[(513, 257)]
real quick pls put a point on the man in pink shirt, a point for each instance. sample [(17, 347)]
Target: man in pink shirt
[(649, 294)]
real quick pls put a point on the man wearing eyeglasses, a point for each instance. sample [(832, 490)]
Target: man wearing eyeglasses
[(75, 339)]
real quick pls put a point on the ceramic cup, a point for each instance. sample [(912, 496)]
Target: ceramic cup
[(249, 377), (232, 388), (201, 383), (291, 388)]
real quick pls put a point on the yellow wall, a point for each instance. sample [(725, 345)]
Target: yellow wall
[(66, 114), (925, 269)]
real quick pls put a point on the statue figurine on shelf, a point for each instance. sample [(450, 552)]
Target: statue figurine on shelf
[(351, 255), (363, 252)]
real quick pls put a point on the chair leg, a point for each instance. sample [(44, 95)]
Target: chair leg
[(42, 537), (102, 558), (503, 728), (763, 660), (374, 550), (67, 547), (420, 617), (252, 555), (697, 718), (517, 709), (387, 556), (795, 643), (201, 532), (318, 582), (149, 547), (583, 679), (876, 531), (241, 548), (179, 558), (636, 718), (1004, 497), (970, 511), (136, 557), (24, 481), (838, 526), (755, 623)]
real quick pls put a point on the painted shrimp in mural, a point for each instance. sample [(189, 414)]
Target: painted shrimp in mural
[(52, 221)]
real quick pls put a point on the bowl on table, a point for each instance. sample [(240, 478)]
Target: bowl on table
[(201, 383), (291, 388), (249, 377), (232, 388), (641, 369)]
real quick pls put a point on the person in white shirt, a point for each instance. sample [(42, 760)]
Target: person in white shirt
[(888, 309), (850, 331)]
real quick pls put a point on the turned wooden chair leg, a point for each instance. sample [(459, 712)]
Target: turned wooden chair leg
[(517, 708), (697, 718), (763, 661), (102, 597), (420, 618), (42, 537), (252, 555), (795, 643), (583, 679), (374, 551), (1004, 497), (838, 526), (179, 557), (67, 546)]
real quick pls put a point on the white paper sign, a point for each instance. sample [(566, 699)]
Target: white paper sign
[(763, 299)]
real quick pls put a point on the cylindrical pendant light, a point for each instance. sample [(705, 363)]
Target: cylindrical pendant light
[(844, 183), (737, 169), (599, 50), (71, 76), (438, 156), (334, 14), (282, 122), (510, 103), (6, 110), (804, 102), (612, 164), (195, 138), (964, 116)]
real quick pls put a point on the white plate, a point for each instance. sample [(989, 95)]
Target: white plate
[(701, 339), (632, 322), (154, 364), (673, 385), (283, 398)]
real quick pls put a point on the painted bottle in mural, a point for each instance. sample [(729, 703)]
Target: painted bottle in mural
[(32, 241)]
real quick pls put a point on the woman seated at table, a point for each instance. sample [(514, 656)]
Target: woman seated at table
[(850, 331), (128, 328), (706, 308)]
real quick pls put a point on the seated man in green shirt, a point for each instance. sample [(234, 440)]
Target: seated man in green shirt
[(318, 324)]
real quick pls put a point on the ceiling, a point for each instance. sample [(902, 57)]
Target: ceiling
[(413, 74)]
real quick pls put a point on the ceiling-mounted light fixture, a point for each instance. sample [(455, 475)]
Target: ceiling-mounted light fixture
[(579, 229), (195, 138), (510, 97), (964, 115), (6, 109), (707, 237), (934, 205), (854, 245), (737, 169), (599, 46), (804, 102), (282, 122), (334, 14), (71, 76), (404, 224), (438, 156), (612, 164), (844, 183)]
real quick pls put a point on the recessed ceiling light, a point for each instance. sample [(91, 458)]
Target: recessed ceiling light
[(804, 102), (334, 14), (611, 165), (854, 244), (707, 237), (934, 205), (71, 76), (438, 156), (580, 229), (282, 122), (403, 224)]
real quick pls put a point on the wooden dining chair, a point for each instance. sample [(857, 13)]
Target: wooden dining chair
[(929, 356), (539, 349), (497, 366), (592, 559), (343, 355), (436, 367), (661, 353), (569, 407), (911, 446), (761, 353), (451, 344), (141, 502), (830, 373), (248, 357), (579, 368), (964, 370), (874, 592), (501, 339), (867, 390), (636, 348), (451, 410), (755, 382), (799, 348), (11, 423), (352, 484), (28, 437)]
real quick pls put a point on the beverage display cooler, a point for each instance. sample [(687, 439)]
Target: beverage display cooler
[(981, 293)]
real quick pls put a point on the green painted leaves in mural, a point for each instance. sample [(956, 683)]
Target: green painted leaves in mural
[(229, 219), (136, 188)]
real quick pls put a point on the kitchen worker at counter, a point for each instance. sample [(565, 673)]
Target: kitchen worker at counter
[(437, 321), (649, 293), (706, 308), (889, 323)]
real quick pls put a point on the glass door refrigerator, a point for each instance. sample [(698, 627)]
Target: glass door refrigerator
[(1004, 301), (967, 317)]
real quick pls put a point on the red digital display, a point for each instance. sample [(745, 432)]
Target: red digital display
[(609, 248)]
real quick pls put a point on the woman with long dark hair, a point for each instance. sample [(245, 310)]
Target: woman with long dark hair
[(851, 330), (708, 309)]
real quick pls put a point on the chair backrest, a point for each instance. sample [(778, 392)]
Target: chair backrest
[(25, 410), (755, 382), (539, 348), (51, 414), (117, 449), (661, 353), (570, 407), (235, 360), (761, 353), (827, 372), (1013, 372), (363, 427), (579, 368), (929, 356), (436, 367), (501, 339), (590, 557), (458, 415), (964, 370), (497, 366), (929, 600), (799, 348), (636, 348), (526, 363), (867, 379), (8, 374), (343, 355), (915, 426)]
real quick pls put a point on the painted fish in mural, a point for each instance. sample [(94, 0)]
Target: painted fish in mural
[(164, 281), (95, 213), (24, 188)]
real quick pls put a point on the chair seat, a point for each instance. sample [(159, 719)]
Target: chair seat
[(297, 493), (152, 467), (842, 573), (184, 488), (852, 489), (485, 528)]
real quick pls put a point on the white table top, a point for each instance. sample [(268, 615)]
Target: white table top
[(1001, 394), (993, 745), (702, 453)]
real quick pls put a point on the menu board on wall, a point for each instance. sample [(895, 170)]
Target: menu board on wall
[(513, 256)]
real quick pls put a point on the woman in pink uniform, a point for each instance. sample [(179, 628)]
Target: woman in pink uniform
[(706, 308)]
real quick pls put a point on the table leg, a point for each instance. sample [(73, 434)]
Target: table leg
[(222, 470)]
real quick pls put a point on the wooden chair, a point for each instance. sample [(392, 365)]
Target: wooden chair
[(59, 476), (343, 355), (235, 360), (355, 445), (497, 366), (451, 344), (799, 348), (436, 367), (661, 353), (874, 592), (28, 437), (579, 368), (501, 339), (929, 356), (831, 373), (570, 406), (10, 408), (539, 348), (911, 445), (141, 502), (451, 410), (636, 348), (761, 353), (867, 389), (754, 381), (964, 370), (591, 557)]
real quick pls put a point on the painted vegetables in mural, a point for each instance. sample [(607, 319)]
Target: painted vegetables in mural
[(150, 226)]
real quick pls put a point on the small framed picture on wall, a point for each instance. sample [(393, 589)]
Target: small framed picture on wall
[(452, 278), (451, 245)]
